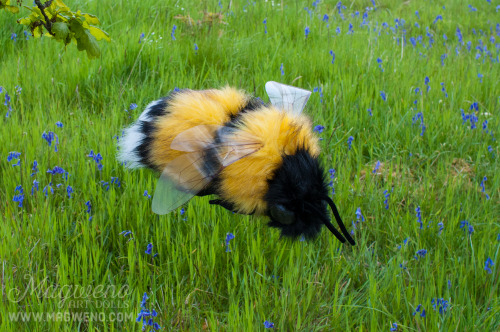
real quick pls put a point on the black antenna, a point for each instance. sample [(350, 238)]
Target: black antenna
[(327, 223), (339, 222)]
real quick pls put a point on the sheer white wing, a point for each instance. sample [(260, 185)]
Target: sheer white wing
[(190, 173), (286, 97)]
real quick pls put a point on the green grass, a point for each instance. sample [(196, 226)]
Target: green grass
[(194, 283)]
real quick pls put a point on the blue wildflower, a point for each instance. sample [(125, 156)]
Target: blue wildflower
[(195, 48), (146, 194), (482, 187), (350, 31), (377, 166), (281, 69), (59, 124), (333, 56), (459, 36), (387, 194), (394, 327), (325, 18), (337, 30), (13, 36), (172, 34), (441, 227), (370, 112), (439, 17), (133, 106), (268, 325), (125, 233), (349, 141), (69, 191), (421, 253), (359, 215), (440, 304), (306, 31), (265, 25), (19, 197), (35, 187), (229, 237), (319, 129), (149, 249), (379, 61), (472, 9), (51, 137), (141, 37), (488, 264), (419, 216), (444, 90), (14, 155), (383, 95)]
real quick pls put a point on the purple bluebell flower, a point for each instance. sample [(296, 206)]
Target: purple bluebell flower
[(51, 137), (69, 191), (125, 233), (383, 95), (133, 106), (13, 36), (444, 89), (116, 181), (35, 187), (377, 166), (419, 216), (320, 90), (319, 129), (466, 226), (149, 249), (19, 197), (333, 56), (172, 34), (440, 304), (439, 17), (379, 61), (7, 99), (427, 81), (421, 253), (268, 325), (369, 112), (359, 215), (459, 36), (441, 227), (488, 264), (105, 185), (196, 48), (337, 30), (56, 170), (182, 211), (146, 194), (472, 9), (387, 194), (281, 69), (229, 237), (482, 187), (349, 141), (59, 124), (325, 18), (350, 31), (418, 15), (394, 327), (13, 155), (265, 25), (306, 31), (141, 37)]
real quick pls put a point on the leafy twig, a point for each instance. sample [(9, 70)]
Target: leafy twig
[(48, 23)]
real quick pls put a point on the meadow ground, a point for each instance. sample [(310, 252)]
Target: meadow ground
[(408, 95)]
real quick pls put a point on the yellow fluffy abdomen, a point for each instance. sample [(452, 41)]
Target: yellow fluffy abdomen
[(188, 109)]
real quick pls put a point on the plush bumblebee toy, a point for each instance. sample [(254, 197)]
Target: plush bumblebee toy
[(257, 158)]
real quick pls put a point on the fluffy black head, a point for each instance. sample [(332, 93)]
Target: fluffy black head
[(296, 196)]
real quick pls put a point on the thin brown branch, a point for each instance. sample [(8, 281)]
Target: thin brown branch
[(48, 23)]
